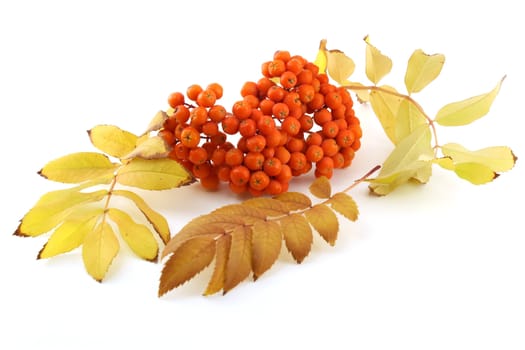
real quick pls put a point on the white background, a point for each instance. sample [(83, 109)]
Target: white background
[(439, 266)]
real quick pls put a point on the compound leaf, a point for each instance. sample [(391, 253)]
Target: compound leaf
[(297, 236), (188, 260), (386, 107), (344, 205), (409, 118), (266, 246), (99, 249), (149, 148), (78, 167), (222, 251), (138, 237), (112, 140), (497, 158), (339, 66), (294, 200), (324, 221), (377, 64), (321, 187), (467, 111), (422, 69), (71, 233), (239, 264), (154, 174)]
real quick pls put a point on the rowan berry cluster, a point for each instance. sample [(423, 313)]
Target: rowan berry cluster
[(287, 122)]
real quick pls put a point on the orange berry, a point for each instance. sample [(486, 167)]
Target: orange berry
[(239, 175), (198, 155), (210, 182), (306, 93), (330, 129), (249, 88), (233, 157), (322, 116), (193, 91), (282, 55), (216, 88), (266, 125), (254, 160), (297, 161), (247, 127), (201, 171), (256, 143), (210, 128), (345, 138), (274, 187), (230, 124), (330, 147), (288, 80), (314, 139), (181, 114), (291, 125), (276, 93), (206, 98), (280, 110), (276, 68), (285, 175), (175, 99), (198, 116), (242, 109), (333, 99), (314, 153), (167, 136), (272, 166), (190, 137), (259, 180), (217, 113), (223, 173)]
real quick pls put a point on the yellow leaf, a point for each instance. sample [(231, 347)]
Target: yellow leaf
[(78, 167), (423, 173), (149, 148), (377, 64), (344, 205), (469, 110), (321, 60), (266, 246), (99, 249), (138, 237), (297, 235), (321, 187), (445, 163), (294, 200), (187, 261), (409, 118), (157, 122), (422, 69), (71, 233), (112, 140), (52, 208), (410, 155), (386, 107), (324, 221), (159, 223), (475, 173), (222, 250), (497, 158), (339, 66), (154, 174), (239, 264)]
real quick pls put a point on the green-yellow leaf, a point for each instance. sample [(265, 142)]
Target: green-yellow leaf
[(71, 233), (154, 174), (266, 246), (186, 262), (99, 249), (475, 173), (410, 155), (344, 205), (112, 140), (239, 264), (377, 64), (138, 237), (339, 66), (469, 110), (157, 122), (361, 92), (422, 69), (409, 118), (297, 235), (52, 208), (321, 59), (386, 107), (149, 148), (498, 158), (321, 187), (324, 221), (222, 250), (78, 167), (159, 223)]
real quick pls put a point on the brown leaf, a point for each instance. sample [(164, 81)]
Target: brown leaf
[(324, 221), (294, 200), (239, 263), (188, 260), (321, 187), (248, 214), (344, 205), (297, 236), (270, 206), (222, 250), (217, 224), (266, 246)]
